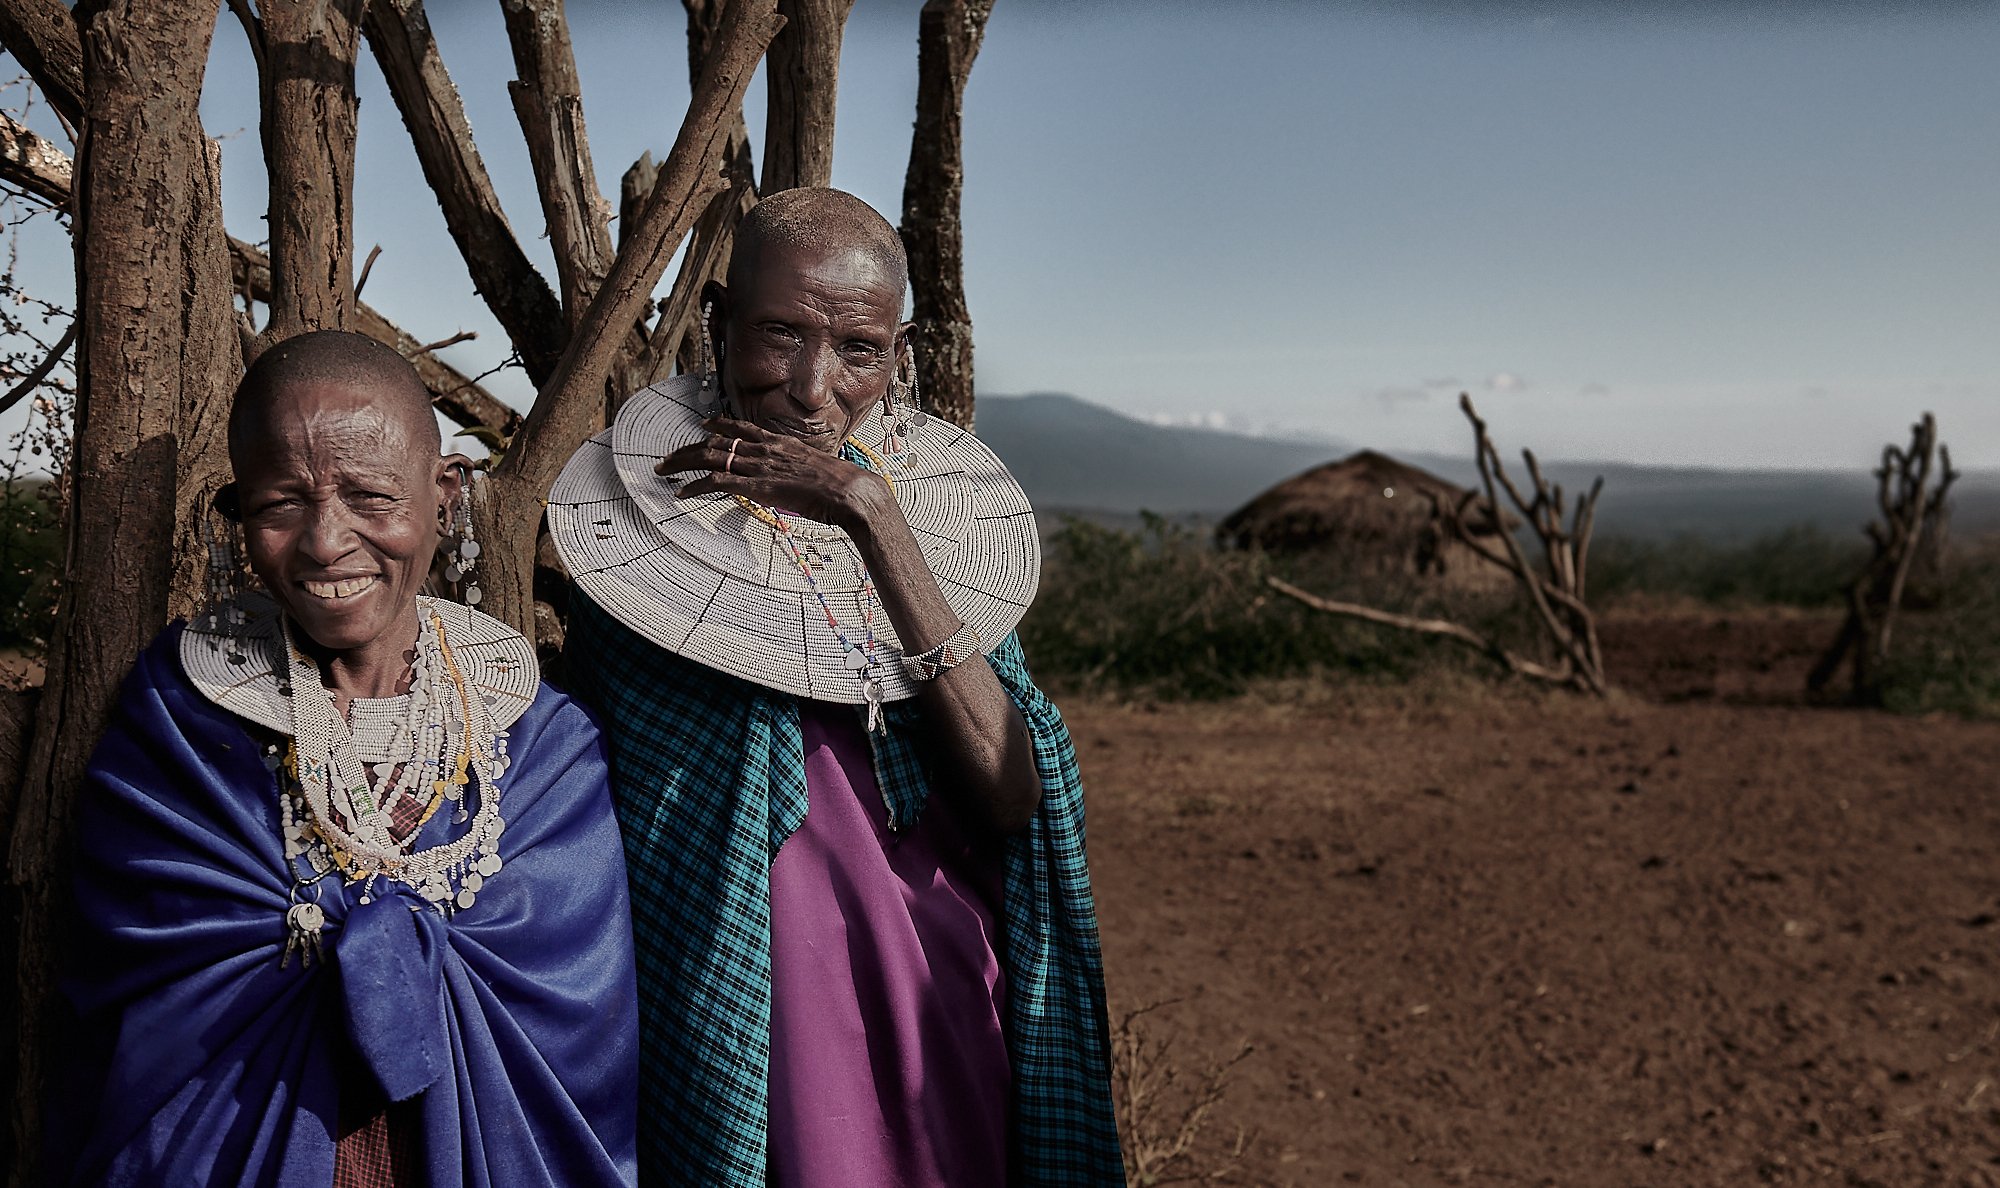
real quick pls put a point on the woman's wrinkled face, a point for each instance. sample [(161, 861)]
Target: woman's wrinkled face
[(810, 342), (341, 499)]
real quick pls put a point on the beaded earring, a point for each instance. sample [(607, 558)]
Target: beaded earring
[(900, 419), (224, 583), (465, 553), (711, 357)]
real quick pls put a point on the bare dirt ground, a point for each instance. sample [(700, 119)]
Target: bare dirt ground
[(1703, 934)]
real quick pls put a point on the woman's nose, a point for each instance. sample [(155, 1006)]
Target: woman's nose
[(815, 387), (329, 534)]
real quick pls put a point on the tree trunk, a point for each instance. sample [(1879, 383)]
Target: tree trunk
[(948, 36), (800, 81), (157, 357), (307, 59), (549, 100)]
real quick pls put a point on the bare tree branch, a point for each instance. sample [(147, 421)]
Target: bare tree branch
[(33, 164), (676, 336), (157, 357), (1439, 627), (706, 259), (367, 266), (704, 16), (29, 161), (949, 34), (633, 190), (1914, 515), (801, 80), (253, 32), (1556, 595), (452, 392), (522, 302), (549, 100), (309, 128), (33, 379), (572, 401), (41, 34), (440, 344)]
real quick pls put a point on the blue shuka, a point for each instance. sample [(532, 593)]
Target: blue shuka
[(709, 778), (197, 1060)]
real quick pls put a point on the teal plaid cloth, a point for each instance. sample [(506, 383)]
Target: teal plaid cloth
[(708, 774)]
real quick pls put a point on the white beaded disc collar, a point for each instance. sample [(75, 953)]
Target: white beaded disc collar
[(238, 672), (705, 579)]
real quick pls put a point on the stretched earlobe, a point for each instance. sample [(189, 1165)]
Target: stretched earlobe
[(228, 503)]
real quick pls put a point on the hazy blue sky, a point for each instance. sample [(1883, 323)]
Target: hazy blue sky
[(1763, 234)]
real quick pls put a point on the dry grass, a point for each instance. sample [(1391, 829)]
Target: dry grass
[(1163, 1107)]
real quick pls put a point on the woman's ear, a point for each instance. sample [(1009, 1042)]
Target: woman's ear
[(454, 474), (228, 503), (715, 303)]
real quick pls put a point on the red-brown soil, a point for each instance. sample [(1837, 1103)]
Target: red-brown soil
[(1701, 934)]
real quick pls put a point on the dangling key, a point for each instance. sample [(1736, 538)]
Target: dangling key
[(872, 690), (302, 924)]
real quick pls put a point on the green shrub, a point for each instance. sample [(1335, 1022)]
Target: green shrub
[(30, 563), (1800, 566), (1163, 613), (1947, 659)]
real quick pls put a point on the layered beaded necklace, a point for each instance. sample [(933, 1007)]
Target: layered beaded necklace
[(860, 655), (340, 822)]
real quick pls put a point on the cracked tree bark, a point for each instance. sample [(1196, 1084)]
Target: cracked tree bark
[(157, 357), (801, 81), (949, 33), (305, 51)]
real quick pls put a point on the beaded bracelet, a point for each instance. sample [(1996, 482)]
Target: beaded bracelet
[(963, 645)]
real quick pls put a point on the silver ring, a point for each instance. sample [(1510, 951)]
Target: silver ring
[(730, 462)]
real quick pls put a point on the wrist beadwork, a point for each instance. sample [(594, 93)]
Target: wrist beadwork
[(963, 645)]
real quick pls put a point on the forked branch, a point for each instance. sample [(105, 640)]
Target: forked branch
[(1555, 587), (1914, 514), (521, 300), (570, 404)]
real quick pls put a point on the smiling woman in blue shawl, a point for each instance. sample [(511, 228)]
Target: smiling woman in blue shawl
[(351, 899)]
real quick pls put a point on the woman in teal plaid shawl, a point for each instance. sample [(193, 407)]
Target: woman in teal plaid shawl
[(708, 770)]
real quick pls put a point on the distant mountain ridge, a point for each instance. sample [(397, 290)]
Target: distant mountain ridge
[(1074, 456)]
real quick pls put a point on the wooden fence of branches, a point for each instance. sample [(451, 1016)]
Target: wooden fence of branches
[(165, 323)]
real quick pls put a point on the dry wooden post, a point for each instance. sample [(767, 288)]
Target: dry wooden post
[(571, 403), (549, 100), (305, 52), (801, 79), (157, 357), (520, 299), (949, 33), (1913, 515), (1556, 588)]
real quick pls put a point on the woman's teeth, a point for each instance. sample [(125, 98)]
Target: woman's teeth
[(345, 588)]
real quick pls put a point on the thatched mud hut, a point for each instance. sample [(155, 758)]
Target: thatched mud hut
[(1375, 513)]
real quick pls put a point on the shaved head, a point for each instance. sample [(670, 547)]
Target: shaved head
[(327, 358), (820, 221)]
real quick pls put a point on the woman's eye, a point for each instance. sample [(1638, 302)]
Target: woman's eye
[(775, 333), (863, 352)]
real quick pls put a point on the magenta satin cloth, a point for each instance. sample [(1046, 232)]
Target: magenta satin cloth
[(888, 1065)]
